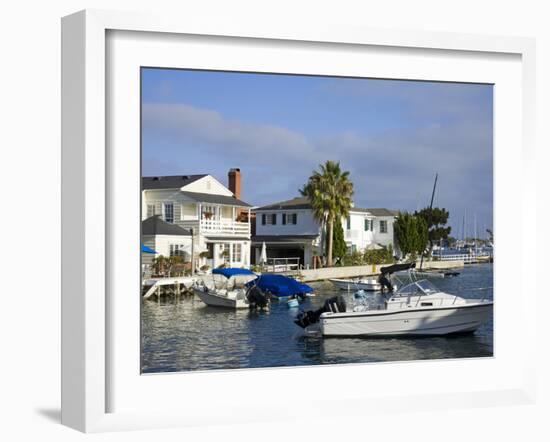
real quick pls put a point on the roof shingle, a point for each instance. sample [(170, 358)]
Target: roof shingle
[(156, 226), (215, 199), (168, 182)]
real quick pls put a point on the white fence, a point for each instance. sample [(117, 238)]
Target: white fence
[(277, 265), (466, 258)]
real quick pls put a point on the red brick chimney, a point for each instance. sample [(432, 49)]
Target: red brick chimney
[(234, 178)]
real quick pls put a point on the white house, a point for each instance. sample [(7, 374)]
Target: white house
[(219, 222), (165, 239), (290, 230)]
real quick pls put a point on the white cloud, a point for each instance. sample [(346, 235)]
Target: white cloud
[(210, 130), (393, 169)]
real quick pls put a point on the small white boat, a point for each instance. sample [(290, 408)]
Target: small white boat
[(371, 285), (222, 297), (416, 309), (231, 292)]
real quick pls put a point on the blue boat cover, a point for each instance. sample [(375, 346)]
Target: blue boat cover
[(281, 286), (146, 249), (229, 272)]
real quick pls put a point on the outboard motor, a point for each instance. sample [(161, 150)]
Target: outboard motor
[(336, 304), (385, 282), (257, 298)]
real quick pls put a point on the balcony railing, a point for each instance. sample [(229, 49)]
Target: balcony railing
[(222, 227)]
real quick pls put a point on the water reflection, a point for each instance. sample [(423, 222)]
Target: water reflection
[(187, 335)]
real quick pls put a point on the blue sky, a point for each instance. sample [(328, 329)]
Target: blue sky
[(393, 136)]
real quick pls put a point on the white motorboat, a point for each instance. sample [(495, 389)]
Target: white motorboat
[(231, 292), (417, 308), (371, 285)]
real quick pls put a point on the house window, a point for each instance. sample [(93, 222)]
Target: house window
[(169, 212), (369, 225), (177, 250), (208, 212), (150, 210), (224, 250), (383, 227), (348, 223), (289, 218), (236, 256), (271, 218)]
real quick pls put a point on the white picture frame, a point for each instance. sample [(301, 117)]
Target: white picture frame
[(87, 318)]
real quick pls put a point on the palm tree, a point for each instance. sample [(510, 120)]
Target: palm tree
[(329, 191)]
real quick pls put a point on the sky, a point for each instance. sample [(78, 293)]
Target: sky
[(392, 136)]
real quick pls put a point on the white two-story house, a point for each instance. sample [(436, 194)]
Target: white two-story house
[(219, 222), (289, 230)]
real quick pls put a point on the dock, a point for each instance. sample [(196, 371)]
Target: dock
[(175, 286)]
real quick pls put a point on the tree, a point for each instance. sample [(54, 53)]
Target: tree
[(411, 234), (435, 219), (329, 191), (339, 247)]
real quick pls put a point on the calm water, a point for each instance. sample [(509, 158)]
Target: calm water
[(187, 335)]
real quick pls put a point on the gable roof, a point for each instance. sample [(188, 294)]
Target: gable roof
[(300, 202), (381, 212), (169, 182), (215, 199), (156, 226)]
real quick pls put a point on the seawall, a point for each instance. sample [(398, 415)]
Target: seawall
[(310, 275)]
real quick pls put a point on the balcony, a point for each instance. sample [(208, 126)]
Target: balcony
[(224, 227)]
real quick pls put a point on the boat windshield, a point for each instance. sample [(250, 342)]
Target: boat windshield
[(418, 288)]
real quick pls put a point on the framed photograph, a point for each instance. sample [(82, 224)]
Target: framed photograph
[(298, 209)]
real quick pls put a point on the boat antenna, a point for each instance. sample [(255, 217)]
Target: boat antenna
[(431, 205)]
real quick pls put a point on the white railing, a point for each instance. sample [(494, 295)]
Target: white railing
[(277, 265), (468, 259), (221, 227)]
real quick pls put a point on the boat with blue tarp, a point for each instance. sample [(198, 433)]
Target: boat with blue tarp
[(282, 287), (232, 288), (228, 272), (278, 286)]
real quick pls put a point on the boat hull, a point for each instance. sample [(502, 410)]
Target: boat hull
[(343, 284), (214, 300), (407, 322)]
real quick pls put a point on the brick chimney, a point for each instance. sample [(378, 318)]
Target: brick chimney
[(234, 178)]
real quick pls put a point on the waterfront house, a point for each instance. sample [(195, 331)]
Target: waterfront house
[(217, 220), (290, 230)]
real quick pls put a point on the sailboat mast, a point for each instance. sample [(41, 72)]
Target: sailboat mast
[(475, 233), (431, 205), (464, 228)]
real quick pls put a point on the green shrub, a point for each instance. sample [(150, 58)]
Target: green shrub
[(353, 259), (381, 256)]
